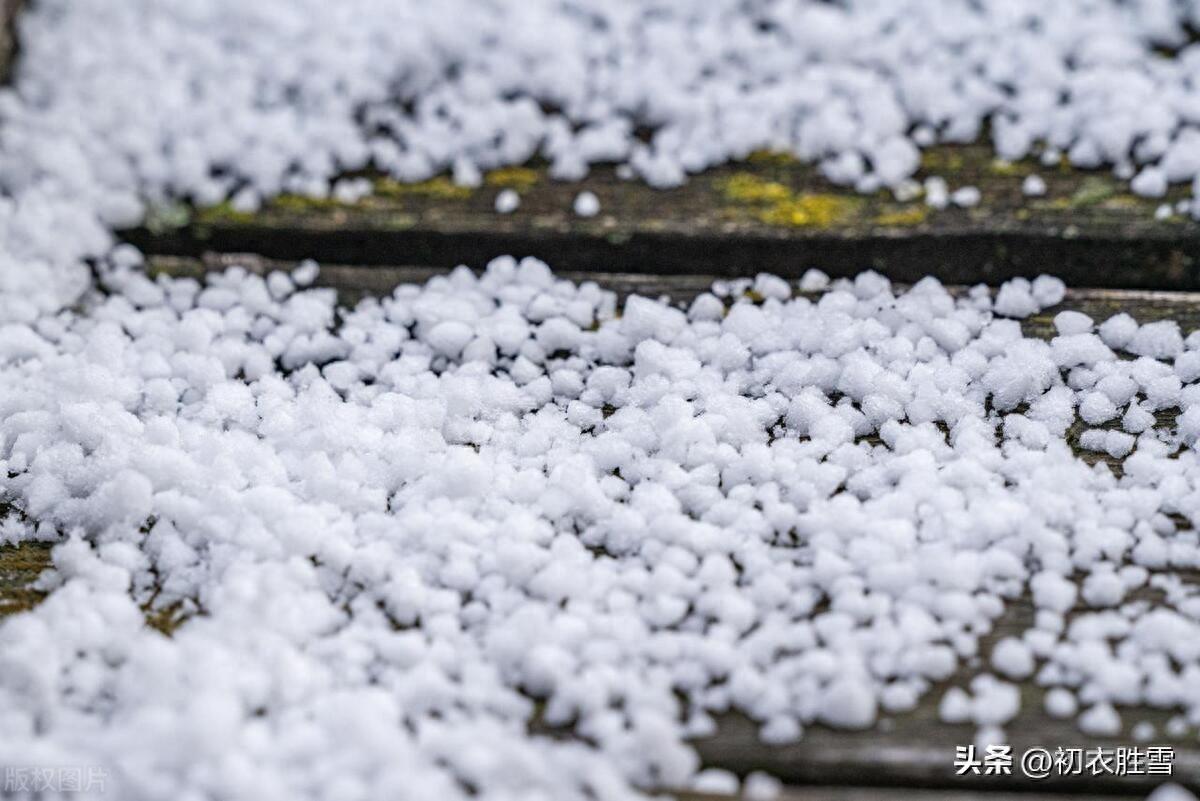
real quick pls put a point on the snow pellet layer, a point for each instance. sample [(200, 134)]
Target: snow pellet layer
[(118, 108), (397, 535)]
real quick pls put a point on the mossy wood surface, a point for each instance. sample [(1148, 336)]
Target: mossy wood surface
[(8, 36), (769, 213)]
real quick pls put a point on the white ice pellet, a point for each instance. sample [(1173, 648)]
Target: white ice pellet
[(1103, 588), (955, 706), (1072, 322), (586, 204), (1136, 419), (781, 730), (759, 786), (937, 192), (1100, 720), (1015, 299), (1160, 340), (716, 781), (1053, 592), (1118, 444), (848, 703), (1097, 408), (907, 190), (771, 286), (1187, 366), (1170, 792), (450, 337), (305, 274), (245, 201), (396, 532), (1048, 291), (1150, 182), (993, 702), (1188, 424), (1117, 331), (966, 197), (813, 280), (1012, 658), (350, 190), (507, 201), (1060, 703), (1115, 444), (1033, 186)]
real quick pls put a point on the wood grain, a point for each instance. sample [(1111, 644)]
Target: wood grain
[(770, 213), (9, 9)]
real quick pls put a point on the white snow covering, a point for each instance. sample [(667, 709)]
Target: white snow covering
[(391, 531), (507, 201), (405, 539), (586, 204), (122, 105), (1171, 792)]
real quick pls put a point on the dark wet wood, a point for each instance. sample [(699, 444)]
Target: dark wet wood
[(20, 566), (770, 213), (8, 36)]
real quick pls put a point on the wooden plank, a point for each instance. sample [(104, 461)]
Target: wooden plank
[(9, 9), (20, 566), (913, 750), (355, 281), (770, 213)]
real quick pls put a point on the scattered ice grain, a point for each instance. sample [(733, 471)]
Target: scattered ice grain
[(1170, 792), (470, 494), (586, 204), (1033, 186), (507, 201), (392, 535), (121, 108)]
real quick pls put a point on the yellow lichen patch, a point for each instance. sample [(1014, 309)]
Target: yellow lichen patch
[(912, 215), (941, 159), (519, 178), (162, 217), (1093, 190), (302, 203), (167, 619), (744, 187), (1123, 201), (780, 157), (439, 188), (1007, 168), (812, 210), (777, 205), (222, 213)]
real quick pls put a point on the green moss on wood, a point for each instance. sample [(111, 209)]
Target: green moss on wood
[(439, 188), (521, 179)]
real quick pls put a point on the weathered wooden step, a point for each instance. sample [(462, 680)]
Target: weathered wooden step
[(770, 214)]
